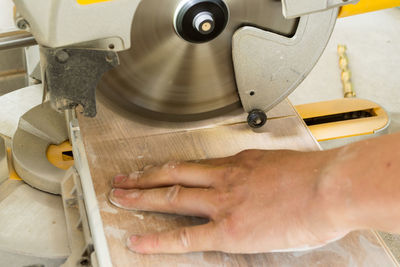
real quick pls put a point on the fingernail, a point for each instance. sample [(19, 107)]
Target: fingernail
[(111, 195), (113, 199), (119, 179), (118, 192), (132, 241)]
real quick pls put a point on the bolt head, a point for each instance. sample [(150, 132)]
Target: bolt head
[(257, 118), (22, 24), (62, 56)]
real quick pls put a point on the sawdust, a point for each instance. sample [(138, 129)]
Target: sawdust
[(115, 232), (140, 216), (105, 206)]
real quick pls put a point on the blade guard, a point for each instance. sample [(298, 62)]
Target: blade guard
[(268, 66)]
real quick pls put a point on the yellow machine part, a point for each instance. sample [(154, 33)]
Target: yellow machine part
[(89, 2), (345, 128), (58, 155), (61, 155), (12, 173), (365, 6)]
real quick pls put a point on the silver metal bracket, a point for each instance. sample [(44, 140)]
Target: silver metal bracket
[(95, 240), (79, 235), (269, 66), (70, 76), (3, 161), (297, 8), (39, 128)]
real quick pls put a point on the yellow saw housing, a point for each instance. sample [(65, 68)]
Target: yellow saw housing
[(365, 6), (377, 121)]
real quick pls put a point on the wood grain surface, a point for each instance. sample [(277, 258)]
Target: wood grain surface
[(118, 145)]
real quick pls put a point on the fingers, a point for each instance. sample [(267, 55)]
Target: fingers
[(215, 161), (175, 199), (189, 239), (185, 174)]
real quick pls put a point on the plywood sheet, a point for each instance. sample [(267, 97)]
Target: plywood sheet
[(117, 145)]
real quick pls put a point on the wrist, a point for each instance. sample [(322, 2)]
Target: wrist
[(334, 192), (357, 185)]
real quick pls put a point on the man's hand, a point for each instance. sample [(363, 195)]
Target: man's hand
[(256, 201)]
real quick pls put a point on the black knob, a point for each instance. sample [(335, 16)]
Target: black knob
[(256, 118)]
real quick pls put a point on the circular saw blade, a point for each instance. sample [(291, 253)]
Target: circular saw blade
[(165, 77)]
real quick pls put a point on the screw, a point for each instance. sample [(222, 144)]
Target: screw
[(22, 24), (84, 262), (204, 22), (110, 57), (256, 118), (62, 56)]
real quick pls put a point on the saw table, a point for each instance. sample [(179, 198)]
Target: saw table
[(113, 144)]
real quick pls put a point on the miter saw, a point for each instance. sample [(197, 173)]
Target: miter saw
[(152, 60), (178, 60)]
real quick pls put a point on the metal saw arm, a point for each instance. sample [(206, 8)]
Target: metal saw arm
[(94, 24), (297, 8), (79, 40)]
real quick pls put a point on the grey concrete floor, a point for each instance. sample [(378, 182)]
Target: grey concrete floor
[(373, 49)]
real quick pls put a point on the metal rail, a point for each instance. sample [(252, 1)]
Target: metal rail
[(16, 39)]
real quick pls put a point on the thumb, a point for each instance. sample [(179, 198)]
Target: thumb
[(183, 240)]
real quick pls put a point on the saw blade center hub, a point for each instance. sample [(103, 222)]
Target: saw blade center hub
[(200, 21), (204, 22)]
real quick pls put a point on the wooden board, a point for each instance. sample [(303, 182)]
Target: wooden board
[(117, 145)]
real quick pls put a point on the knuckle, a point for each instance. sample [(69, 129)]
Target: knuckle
[(135, 177), (170, 169), (229, 176), (154, 243), (214, 212), (172, 165), (250, 156), (230, 171), (184, 238), (148, 168), (173, 194), (223, 197), (245, 152), (228, 198), (220, 203), (239, 190), (230, 228)]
